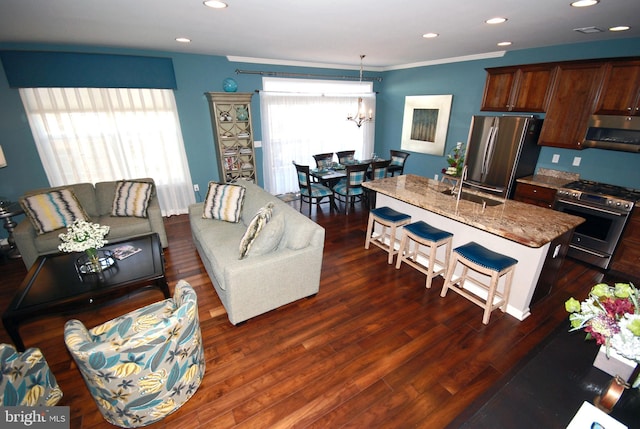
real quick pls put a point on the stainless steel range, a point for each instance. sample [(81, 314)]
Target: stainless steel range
[(606, 209)]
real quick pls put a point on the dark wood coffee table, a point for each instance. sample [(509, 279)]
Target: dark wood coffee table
[(53, 285)]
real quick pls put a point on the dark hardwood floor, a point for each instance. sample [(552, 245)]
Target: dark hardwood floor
[(374, 348)]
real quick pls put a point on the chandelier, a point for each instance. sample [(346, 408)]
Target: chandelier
[(360, 117)]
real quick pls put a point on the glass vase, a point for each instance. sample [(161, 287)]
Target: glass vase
[(94, 260)]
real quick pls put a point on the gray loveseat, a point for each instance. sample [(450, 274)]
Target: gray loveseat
[(260, 282), (96, 200)]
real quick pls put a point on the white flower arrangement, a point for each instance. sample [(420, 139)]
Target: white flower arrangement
[(82, 235)]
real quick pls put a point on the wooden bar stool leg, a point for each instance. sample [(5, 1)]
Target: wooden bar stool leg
[(507, 289), (405, 247), (495, 277), (369, 231), (392, 244), (449, 276), (432, 260)]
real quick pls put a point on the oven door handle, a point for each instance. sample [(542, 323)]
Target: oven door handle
[(592, 208), (591, 252)]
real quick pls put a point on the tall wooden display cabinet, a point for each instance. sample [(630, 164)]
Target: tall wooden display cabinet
[(233, 135)]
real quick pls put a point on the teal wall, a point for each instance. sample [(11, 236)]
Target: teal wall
[(197, 74)]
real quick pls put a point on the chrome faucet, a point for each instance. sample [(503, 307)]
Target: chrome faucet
[(458, 192)]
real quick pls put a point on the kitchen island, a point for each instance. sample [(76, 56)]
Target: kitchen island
[(537, 237)]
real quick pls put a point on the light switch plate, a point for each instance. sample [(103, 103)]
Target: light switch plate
[(555, 158), (576, 161)]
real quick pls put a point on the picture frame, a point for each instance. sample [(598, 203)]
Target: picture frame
[(425, 123)]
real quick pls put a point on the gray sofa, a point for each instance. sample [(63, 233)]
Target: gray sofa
[(96, 200), (260, 282)]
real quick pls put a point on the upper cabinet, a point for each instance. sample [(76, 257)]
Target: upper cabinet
[(572, 101), (620, 89), (518, 89), (568, 92)]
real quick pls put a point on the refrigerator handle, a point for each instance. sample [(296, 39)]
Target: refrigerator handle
[(488, 152)]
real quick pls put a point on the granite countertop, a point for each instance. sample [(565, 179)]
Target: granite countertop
[(550, 178), (526, 224)]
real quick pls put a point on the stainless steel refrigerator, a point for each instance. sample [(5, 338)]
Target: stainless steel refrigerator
[(500, 150)]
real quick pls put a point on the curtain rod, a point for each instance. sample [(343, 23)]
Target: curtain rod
[(307, 75)]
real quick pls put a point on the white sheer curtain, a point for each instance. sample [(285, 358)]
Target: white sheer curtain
[(296, 125), (101, 134)]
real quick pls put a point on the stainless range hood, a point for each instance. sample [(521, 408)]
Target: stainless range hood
[(620, 133)]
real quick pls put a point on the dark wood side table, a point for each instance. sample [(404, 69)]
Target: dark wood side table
[(53, 286), (546, 389), (9, 210)]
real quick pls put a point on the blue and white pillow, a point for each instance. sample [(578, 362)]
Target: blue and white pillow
[(224, 202), (52, 210), (132, 198)]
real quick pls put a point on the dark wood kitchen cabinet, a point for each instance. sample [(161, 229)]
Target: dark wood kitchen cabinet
[(626, 258), (620, 89), (518, 89), (572, 101), (537, 195)]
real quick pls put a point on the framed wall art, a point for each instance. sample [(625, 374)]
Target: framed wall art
[(425, 123)]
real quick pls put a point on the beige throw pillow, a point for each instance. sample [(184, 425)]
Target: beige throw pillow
[(132, 198), (52, 210), (224, 202)]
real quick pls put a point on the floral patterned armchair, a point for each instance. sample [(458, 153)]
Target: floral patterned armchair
[(144, 365), (25, 379)]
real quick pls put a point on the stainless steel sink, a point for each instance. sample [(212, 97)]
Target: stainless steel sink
[(474, 198)]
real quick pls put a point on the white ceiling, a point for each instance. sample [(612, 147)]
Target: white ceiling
[(331, 33)]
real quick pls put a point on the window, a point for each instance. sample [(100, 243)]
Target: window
[(101, 134), (301, 118)]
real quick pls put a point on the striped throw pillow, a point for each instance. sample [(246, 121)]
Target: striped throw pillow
[(257, 224), (52, 210), (224, 202), (132, 198)]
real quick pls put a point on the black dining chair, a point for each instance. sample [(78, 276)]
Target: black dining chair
[(378, 169), (349, 190), (346, 156), (323, 160), (312, 192), (398, 159)]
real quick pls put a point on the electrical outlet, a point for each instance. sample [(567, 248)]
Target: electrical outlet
[(555, 158), (196, 187), (576, 161)]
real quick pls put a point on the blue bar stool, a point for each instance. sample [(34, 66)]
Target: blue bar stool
[(389, 219), (423, 234), (482, 260)]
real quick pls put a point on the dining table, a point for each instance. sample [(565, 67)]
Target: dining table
[(330, 176)]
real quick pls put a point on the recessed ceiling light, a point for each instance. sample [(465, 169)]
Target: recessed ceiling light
[(430, 35), (504, 44), (183, 40), (584, 3), (215, 4), (588, 30), (496, 20), (620, 28)]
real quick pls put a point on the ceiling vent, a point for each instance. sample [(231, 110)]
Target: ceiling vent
[(588, 30)]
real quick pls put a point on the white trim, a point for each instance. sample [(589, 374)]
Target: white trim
[(474, 57)]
